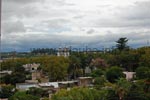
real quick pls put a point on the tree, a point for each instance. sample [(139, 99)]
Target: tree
[(98, 63), (111, 95), (136, 93), (12, 64), (7, 91), (114, 73), (122, 88), (55, 67), (79, 94), (143, 72), (97, 73), (23, 96), (145, 56), (74, 66), (122, 44), (15, 77), (85, 60), (129, 60), (37, 92), (99, 82)]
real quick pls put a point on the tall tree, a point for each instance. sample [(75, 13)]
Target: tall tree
[(122, 43)]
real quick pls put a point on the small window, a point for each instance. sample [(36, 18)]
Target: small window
[(32, 68)]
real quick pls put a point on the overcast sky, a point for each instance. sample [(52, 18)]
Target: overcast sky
[(56, 23)]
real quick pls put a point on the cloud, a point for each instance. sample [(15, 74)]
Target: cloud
[(90, 31), (25, 42), (51, 23), (56, 23), (13, 27), (138, 11), (23, 1)]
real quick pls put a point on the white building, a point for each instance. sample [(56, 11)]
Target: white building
[(31, 67), (63, 52), (25, 86), (87, 70), (129, 75)]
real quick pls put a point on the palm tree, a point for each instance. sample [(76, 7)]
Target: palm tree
[(122, 87), (74, 66)]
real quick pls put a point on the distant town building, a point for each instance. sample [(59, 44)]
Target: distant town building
[(63, 52)]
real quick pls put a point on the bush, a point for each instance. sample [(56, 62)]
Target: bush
[(37, 92), (114, 73)]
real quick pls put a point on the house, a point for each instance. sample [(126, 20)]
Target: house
[(85, 81), (4, 99), (31, 81), (87, 70), (68, 84), (25, 86), (55, 86), (129, 75), (36, 75), (31, 67), (51, 86)]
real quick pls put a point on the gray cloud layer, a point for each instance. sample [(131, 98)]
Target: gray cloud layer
[(52, 23)]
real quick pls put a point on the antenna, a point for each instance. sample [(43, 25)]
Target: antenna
[(147, 42)]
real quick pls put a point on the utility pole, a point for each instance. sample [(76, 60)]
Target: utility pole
[(0, 28), (0, 33)]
